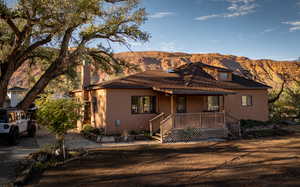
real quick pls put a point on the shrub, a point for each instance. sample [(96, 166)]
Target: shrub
[(58, 116), (87, 129), (253, 123)]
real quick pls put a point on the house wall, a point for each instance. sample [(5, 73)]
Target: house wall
[(79, 97), (118, 107), (258, 110), (196, 104), (98, 108), (115, 104)]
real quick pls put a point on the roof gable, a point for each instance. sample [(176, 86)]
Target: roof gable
[(188, 76)]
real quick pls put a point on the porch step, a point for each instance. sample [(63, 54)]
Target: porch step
[(156, 136)]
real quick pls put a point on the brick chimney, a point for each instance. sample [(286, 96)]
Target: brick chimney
[(85, 75)]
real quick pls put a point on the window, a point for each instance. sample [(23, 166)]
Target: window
[(213, 103), (87, 111), (143, 104), (181, 104), (95, 104), (246, 100), (223, 76)]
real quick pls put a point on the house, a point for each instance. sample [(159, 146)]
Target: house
[(193, 96), (16, 95)]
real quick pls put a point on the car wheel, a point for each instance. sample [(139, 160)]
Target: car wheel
[(14, 137), (32, 131)]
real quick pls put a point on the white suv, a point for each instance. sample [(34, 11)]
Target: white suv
[(13, 123)]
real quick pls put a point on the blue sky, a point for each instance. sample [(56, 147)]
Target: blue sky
[(252, 28), (258, 29)]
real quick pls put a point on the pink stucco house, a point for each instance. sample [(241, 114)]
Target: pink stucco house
[(193, 96)]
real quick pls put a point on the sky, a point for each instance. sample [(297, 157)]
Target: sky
[(258, 29)]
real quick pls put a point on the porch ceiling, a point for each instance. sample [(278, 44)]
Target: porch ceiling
[(185, 91)]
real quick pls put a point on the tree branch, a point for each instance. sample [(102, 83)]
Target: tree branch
[(12, 25), (274, 99)]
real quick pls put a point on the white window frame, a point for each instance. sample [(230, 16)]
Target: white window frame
[(248, 102)]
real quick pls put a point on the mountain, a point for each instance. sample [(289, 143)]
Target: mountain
[(265, 71)]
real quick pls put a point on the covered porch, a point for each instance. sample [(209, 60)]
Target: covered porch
[(189, 114)]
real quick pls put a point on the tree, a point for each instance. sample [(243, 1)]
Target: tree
[(58, 116), (60, 32), (288, 105)]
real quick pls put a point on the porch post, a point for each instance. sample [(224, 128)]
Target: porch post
[(172, 104), (223, 98), (172, 110)]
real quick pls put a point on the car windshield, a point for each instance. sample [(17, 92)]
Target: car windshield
[(3, 116)]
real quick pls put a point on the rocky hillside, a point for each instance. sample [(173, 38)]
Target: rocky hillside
[(266, 71)]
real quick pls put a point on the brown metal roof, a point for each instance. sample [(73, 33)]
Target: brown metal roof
[(190, 76), (185, 91)]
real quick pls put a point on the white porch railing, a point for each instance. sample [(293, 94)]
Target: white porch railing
[(204, 120), (155, 123)]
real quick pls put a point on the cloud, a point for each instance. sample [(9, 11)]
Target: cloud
[(294, 25), (202, 18), (268, 30), (236, 8), (161, 14)]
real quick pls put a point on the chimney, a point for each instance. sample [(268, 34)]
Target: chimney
[(85, 75)]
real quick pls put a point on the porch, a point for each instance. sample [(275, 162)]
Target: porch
[(192, 116)]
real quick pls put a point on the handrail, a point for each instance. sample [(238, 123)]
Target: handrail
[(165, 126), (232, 117), (234, 129), (158, 116), (155, 123), (166, 119), (204, 120)]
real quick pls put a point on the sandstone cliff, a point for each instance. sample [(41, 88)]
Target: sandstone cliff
[(269, 72)]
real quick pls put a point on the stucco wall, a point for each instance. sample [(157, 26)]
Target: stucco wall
[(196, 104), (98, 118), (115, 104), (258, 110), (119, 108), (79, 97)]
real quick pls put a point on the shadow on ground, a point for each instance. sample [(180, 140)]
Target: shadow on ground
[(264, 162)]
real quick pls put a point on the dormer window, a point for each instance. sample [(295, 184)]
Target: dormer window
[(224, 76)]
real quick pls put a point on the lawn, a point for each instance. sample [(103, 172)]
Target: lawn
[(263, 162)]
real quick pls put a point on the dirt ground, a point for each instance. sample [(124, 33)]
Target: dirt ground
[(264, 162)]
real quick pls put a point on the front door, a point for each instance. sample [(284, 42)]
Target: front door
[(213, 103), (181, 104)]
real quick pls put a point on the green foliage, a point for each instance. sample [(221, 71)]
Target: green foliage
[(87, 129), (58, 115), (69, 27), (288, 106), (253, 123), (266, 133)]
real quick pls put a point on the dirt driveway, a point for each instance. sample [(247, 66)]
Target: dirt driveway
[(264, 162), (10, 156)]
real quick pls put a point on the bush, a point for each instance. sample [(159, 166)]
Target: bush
[(58, 115), (87, 129), (253, 123), (267, 133)]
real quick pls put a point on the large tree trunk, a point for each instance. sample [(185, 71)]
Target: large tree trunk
[(7, 71), (3, 92), (51, 73)]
